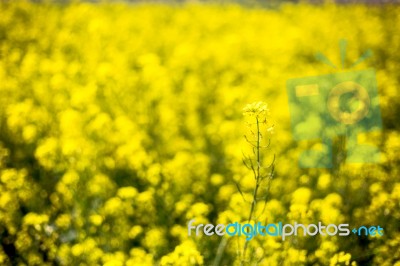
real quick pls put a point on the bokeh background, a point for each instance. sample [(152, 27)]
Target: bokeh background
[(120, 122)]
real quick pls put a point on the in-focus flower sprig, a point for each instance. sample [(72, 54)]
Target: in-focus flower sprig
[(258, 114)]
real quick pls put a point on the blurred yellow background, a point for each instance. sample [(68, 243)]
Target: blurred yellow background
[(121, 122)]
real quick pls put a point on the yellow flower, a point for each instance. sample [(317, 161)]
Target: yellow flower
[(184, 254), (96, 219), (256, 109), (63, 221), (35, 219), (127, 192), (302, 195)]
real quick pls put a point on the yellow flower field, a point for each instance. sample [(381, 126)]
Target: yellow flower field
[(119, 123)]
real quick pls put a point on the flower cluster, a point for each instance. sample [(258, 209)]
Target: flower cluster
[(256, 109)]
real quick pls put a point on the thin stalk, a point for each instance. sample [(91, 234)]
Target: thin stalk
[(220, 251), (254, 201)]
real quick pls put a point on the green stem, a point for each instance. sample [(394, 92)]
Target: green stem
[(254, 201)]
